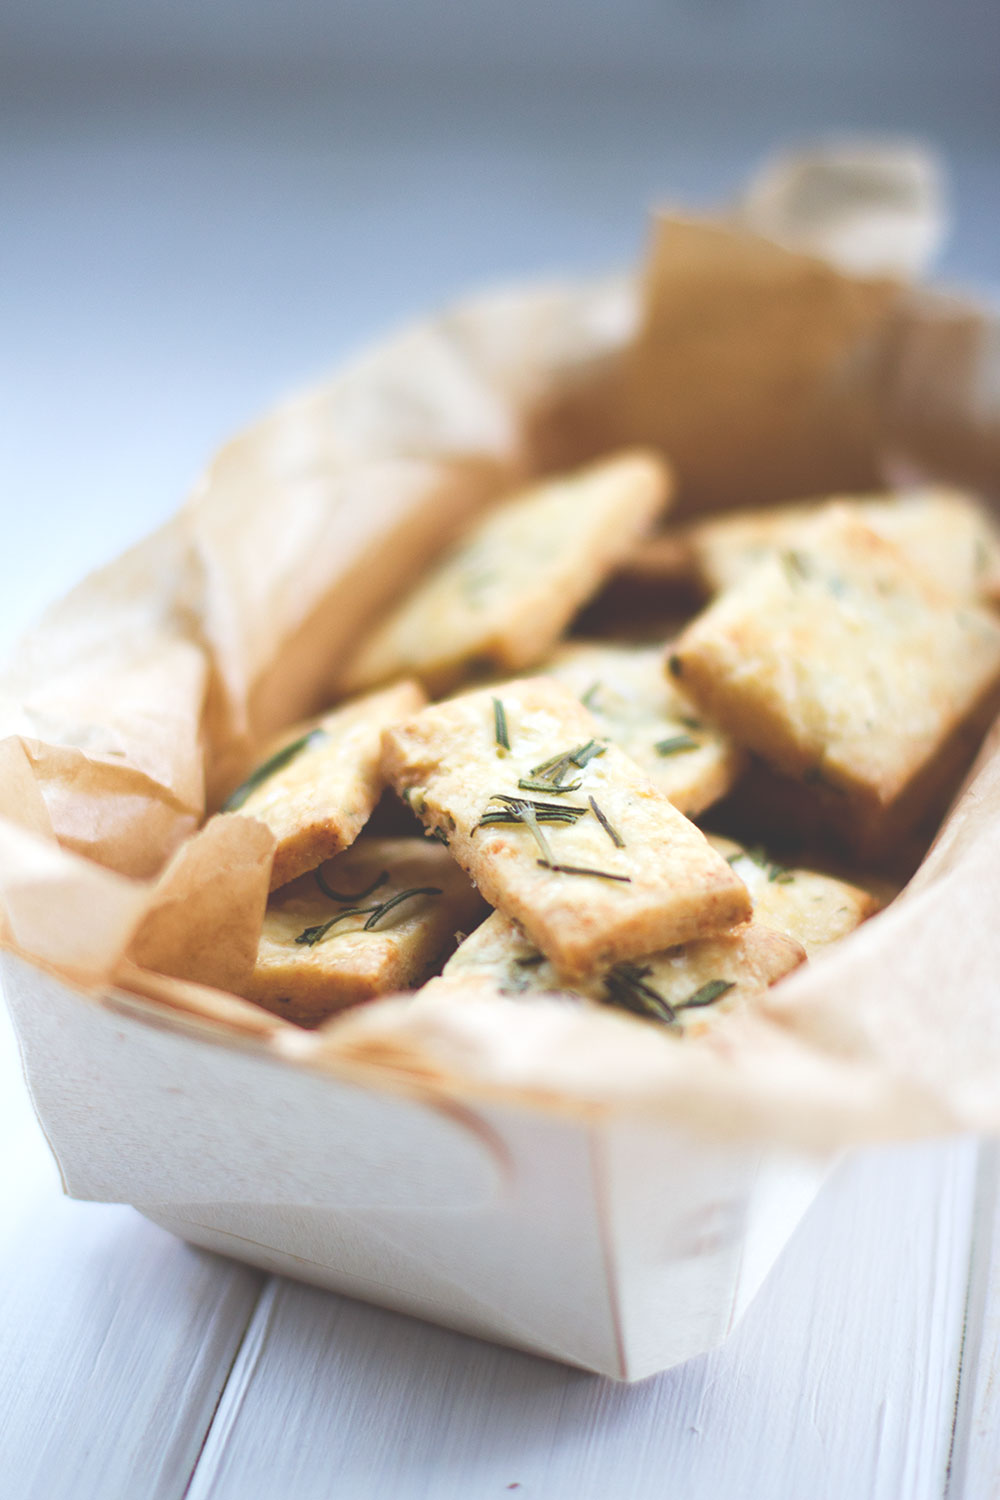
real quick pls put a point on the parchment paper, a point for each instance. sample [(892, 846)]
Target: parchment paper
[(767, 372)]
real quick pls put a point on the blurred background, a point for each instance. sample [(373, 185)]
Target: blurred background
[(208, 203)]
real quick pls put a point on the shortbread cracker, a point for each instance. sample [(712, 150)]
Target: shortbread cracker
[(943, 532), (504, 595), (558, 828), (315, 958), (651, 719), (815, 909), (684, 986), (317, 790), (839, 664)]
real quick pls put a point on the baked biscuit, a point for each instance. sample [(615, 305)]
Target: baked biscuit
[(317, 955), (316, 791), (651, 719), (943, 532), (504, 595), (840, 665), (684, 986), (558, 828), (815, 909)]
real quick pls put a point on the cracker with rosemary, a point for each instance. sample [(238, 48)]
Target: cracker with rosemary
[(943, 532), (503, 596), (559, 828), (813, 908), (651, 719), (316, 790), (378, 918), (841, 665), (683, 987)]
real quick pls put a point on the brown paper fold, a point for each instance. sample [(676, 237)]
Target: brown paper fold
[(766, 372)]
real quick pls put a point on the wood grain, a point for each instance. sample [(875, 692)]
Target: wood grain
[(117, 1338), (975, 1460), (840, 1382)]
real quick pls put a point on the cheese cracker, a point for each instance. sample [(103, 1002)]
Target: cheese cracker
[(318, 789), (506, 593), (813, 908), (943, 532), (651, 719), (842, 666), (558, 828), (378, 918), (683, 986)]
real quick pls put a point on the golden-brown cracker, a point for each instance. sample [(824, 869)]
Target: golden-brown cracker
[(716, 973), (944, 532), (505, 594), (811, 907), (317, 801), (839, 664), (651, 719), (305, 981), (587, 892)]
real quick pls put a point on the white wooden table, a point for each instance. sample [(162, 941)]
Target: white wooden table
[(172, 276)]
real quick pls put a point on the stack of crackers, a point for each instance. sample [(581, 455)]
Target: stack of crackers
[(667, 817)]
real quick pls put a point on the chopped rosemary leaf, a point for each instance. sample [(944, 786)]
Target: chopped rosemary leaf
[(779, 874), (625, 985), (387, 906), (512, 815), (328, 890), (676, 743), (313, 935), (556, 766), (439, 834), (796, 565), (707, 995), (529, 784), (583, 870), (612, 833), (587, 699), (500, 731), (530, 961), (690, 723), (277, 762)]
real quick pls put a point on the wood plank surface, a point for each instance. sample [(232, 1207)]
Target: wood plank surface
[(840, 1382), (975, 1464), (116, 1338)]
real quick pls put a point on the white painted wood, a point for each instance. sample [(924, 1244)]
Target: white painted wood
[(975, 1467), (840, 1383), (116, 1338)]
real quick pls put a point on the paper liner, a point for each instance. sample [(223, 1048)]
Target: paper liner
[(767, 372)]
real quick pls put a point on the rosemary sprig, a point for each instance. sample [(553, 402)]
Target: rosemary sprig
[(277, 762), (676, 743), (584, 870), (533, 784), (328, 889), (546, 812), (707, 995), (313, 935), (500, 730), (625, 985), (551, 773), (393, 901), (612, 833)]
